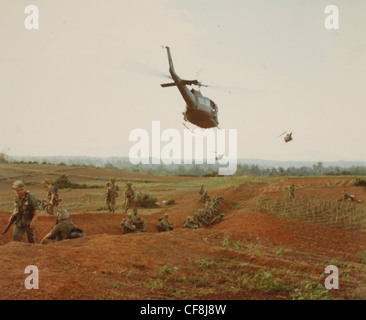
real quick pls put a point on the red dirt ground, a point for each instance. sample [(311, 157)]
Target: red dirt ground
[(109, 265)]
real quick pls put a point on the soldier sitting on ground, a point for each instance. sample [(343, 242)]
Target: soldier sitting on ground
[(164, 224), (189, 223), (127, 224), (64, 229), (138, 221)]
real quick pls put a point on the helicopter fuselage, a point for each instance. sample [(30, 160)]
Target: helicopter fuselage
[(200, 110)]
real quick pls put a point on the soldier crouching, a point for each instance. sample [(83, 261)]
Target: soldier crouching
[(64, 229), (164, 224)]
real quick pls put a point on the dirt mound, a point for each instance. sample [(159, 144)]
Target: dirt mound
[(183, 263)]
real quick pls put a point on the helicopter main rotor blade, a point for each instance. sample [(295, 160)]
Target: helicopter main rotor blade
[(282, 134), (140, 67), (164, 85)]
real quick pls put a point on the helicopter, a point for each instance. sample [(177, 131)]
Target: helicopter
[(200, 111), (288, 137)]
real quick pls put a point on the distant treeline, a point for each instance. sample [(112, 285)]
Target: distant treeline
[(317, 169)]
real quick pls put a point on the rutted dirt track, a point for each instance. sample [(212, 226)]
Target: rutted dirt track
[(109, 265)]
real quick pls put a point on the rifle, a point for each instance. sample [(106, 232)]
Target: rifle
[(12, 220)]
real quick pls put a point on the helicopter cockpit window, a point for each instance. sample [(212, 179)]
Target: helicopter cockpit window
[(207, 102)]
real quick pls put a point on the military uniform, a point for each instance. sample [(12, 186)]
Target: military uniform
[(64, 229), (112, 194), (164, 224), (138, 221), (51, 190), (189, 223), (24, 211), (292, 191), (127, 224), (129, 198)]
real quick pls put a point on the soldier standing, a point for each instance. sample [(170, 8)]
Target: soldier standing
[(129, 197), (292, 191), (112, 194), (51, 196), (26, 211)]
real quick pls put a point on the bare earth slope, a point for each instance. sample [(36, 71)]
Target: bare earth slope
[(249, 255)]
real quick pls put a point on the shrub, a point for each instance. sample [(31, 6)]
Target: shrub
[(359, 182), (145, 200)]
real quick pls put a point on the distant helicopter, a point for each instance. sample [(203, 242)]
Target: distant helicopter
[(200, 111), (288, 137), (219, 156)]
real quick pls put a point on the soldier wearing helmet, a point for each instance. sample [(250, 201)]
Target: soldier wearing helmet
[(127, 224), (26, 211), (112, 194), (189, 223), (51, 196), (129, 197), (64, 229), (164, 224), (138, 221)]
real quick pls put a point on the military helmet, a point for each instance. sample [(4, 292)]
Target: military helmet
[(129, 215), (189, 218), (112, 179), (18, 185), (128, 184), (62, 214), (166, 215)]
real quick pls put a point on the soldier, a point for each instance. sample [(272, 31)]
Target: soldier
[(127, 224), (189, 223), (112, 194), (218, 218), (64, 229), (129, 197), (164, 224), (292, 191), (26, 211), (202, 217), (138, 221), (51, 197), (202, 190), (204, 197), (351, 197), (195, 219)]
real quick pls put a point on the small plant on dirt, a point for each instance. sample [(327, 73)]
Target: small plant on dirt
[(264, 281), (155, 284), (279, 250), (362, 256), (311, 291), (245, 282), (111, 284), (236, 245), (167, 270), (203, 263)]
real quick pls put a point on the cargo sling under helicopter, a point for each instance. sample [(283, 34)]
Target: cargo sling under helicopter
[(200, 111)]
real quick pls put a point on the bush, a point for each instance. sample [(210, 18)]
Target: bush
[(359, 182), (63, 182), (145, 200)]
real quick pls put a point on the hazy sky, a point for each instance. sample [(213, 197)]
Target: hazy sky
[(91, 74)]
